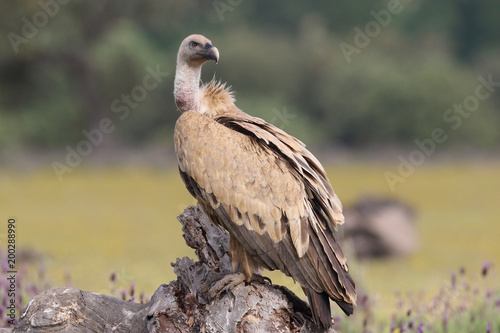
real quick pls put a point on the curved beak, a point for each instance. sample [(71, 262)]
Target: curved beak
[(211, 52)]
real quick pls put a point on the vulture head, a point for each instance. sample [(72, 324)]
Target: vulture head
[(196, 50)]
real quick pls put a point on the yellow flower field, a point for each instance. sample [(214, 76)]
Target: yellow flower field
[(103, 220)]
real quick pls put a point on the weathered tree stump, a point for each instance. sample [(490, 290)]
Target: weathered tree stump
[(183, 305)]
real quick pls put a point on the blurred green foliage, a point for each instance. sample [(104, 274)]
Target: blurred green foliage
[(63, 64)]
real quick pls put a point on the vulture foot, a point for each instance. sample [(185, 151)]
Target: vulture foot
[(260, 279), (226, 284), (230, 281)]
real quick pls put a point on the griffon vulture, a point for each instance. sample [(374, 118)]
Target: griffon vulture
[(260, 184)]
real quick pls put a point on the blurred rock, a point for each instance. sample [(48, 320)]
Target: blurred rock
[(380, 227)]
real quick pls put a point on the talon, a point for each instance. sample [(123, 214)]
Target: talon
[(230, 281), (261, 279), (211, 280)]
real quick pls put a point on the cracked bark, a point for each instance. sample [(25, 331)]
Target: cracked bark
[(181, 306)]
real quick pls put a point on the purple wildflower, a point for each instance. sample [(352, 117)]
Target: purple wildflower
[(485, 268), (497, 303), (453, 279), (141, 297), (132, 289)]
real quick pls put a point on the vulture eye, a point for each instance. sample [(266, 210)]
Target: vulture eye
[(192, 45)]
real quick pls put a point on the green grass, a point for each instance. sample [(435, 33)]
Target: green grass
[(99, 221)]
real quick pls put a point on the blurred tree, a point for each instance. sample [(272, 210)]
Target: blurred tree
[(66, 65), (467, 32)]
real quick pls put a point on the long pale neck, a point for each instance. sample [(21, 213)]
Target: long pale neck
[(187, 86)]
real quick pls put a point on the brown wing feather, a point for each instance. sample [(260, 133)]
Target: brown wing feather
[(311, 271), (270, 193), (295, 153), (240, 174)]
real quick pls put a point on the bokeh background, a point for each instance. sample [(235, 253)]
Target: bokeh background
[(364, 84)]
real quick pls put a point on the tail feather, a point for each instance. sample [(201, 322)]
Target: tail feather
[(348, 308), (320, 307)]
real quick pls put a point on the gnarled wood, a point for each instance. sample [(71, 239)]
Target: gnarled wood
[(181, 306)]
